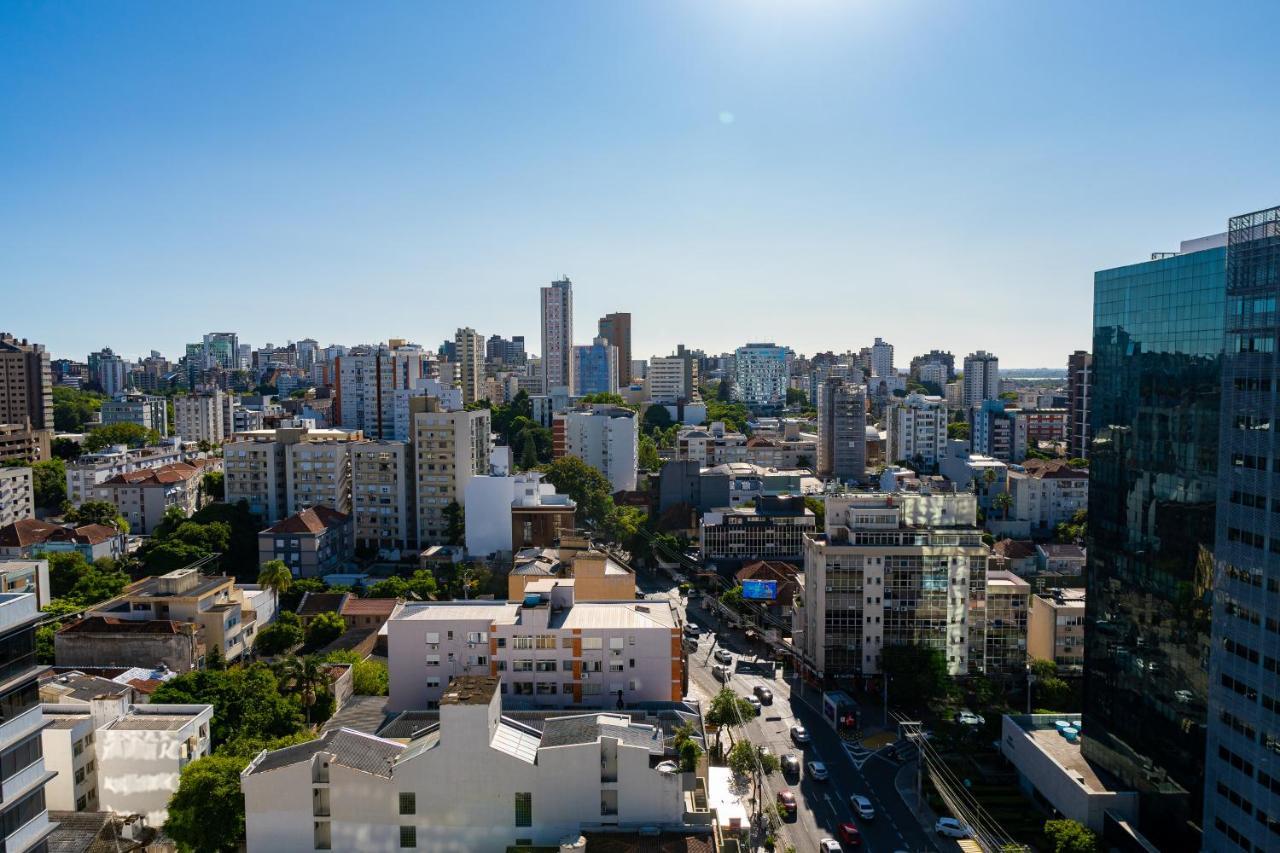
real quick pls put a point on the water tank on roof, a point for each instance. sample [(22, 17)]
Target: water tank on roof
[(532, 600)]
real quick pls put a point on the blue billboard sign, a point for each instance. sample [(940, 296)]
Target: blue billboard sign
[(760, 590)]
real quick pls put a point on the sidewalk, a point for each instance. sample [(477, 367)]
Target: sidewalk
[(905, 782)]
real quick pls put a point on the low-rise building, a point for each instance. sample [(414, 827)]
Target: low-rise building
[(313, 542), (1014, 555), (17, 495), (711, 445), (683, 481), (361, 613), (506, 783), (112, 641), (112, 755), (144, 496), (31, 576), (32, 538), (313, 604), (1006, 613), (1061, 558), (1055, 630), (89, 470), (1046, 493), (772, 529), (521, 511), (548, 649), (596, 575), (779, 577)]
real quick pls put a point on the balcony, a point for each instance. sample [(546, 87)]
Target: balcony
[(22, 781), (29, 834), (28, 722)]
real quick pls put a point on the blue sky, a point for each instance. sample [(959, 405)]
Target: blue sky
[(812, 172)]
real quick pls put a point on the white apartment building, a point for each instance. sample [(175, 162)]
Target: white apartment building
[(469, 345), (477, 781), (981, 378), (882, 359), (450, 400), (711, 445), (382, 493), (111, 755), (761, 374), (449, 449), (548, 650), (557, 335), (84, 475), (894, 569), (366, 382), (672, 379), (280, 471), (605, 437), (491, 500), (201, 417), (144, 496), (916, 430), (17, 495), (144, 410), (1046, 493)]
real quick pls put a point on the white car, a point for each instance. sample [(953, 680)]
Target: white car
[(862, 807), (817, 771), (968, 718), (949, 827), (799, 735), (755, 703), (723, 656), (829, 845)]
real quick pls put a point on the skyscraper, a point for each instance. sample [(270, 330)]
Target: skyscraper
[(595, 368), (1153, 478), (616, 329), (1242, 770), (26, 393), (557, 335), (1079, 394), (981, 378), (469, 348), (842, 431), (222, 349), (108, 370), (882, 359), (760, 374)]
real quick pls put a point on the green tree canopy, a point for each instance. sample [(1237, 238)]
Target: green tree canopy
[(247, 702), (728, 710), (958, 430), (917, 674), (1069, 836), (648, 454), (134, 435), (214, 485), (206, 813), (797, 397), (455, 524), (369, 677), (66, 449), (1077, 462), (420, 585), (656, 419), (278, 637), (73, 409), (588, 487), (605, 398), (324, 628), (277, 577), (49, 483), (98, 512)]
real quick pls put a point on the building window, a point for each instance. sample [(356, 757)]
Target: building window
[(408, 803), (408, 836), (592, 644), (524, 809)]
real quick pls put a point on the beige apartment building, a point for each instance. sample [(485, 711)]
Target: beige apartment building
[(449, 449), (1055, 630), (470, 354), (281, 471), (143, 496), (382, 495), (201, 417), (26, 399)]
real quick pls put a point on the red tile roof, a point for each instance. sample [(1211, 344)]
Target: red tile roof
[(1014, 549), (1054, 469), (174, 472), (369, 606), (313, 520), (322, 602), (28, 531)]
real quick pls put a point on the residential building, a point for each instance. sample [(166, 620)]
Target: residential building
[(842, 431), (280, 471), (747, 482), (308, 353), (222, 349), (596, 575), (86, 473), (1015, 555), (448, 398), (669, 381), (32, 538), (1244, 691), (557, 335), (603, 436), (112, 755), (997, 431), (312, 542), (934, 366), (24, 819), (469, 348), (144, 410), (882, 359), (20, 444), (1153, 489), (1079, 395), (894, 569), (26, 398), (616, 330), (509, 784), (504, 514), (1005, 620), (145, 495), (761, 373), (202, 417), (1046, 493), (366, 613), (916, 430), (595, 368), (773, 529), (548, 648), (983, 475), (682, 481), (313, 604), (368, 382), (17, 575), (981, 378), (382, 495), (109, 371), (449, 448), (508, 353), (17, 495), (1061, 558), (710, 445), (1047, 424), (1055, 630)]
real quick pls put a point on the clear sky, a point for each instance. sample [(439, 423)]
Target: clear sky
[(944, 174)]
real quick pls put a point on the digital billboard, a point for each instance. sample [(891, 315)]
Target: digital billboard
[(760, 590)]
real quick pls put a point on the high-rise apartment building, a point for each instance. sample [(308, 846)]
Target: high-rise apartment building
[(382, 495), (981, 378), (17, 495), (278, 472), (605, 437), (934, 357), (1079, 394), (109, 371), (595, 368), (505, 352), (842, 431), (201, 417), (998, 432), (616, 330), (1242, 770), (1153, 491), (916, 430), (761, 374), (24, 818), (308, 353), (26, 394), (469, 351), (557, 335), (449, 449), (672, 380), (882, 359), (365, 384), (144, 410)]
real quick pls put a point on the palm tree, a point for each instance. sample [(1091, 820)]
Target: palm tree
[(1003, 502), (305, 678), (275, 576)]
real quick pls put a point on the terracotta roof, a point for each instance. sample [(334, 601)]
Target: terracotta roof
[(369, 606), (313, 603), (114, 625), (768, 570), (28, 531), (92, 534), (314, 519), (174, 472), (1014, 549), (1054, 469), (757, 441)]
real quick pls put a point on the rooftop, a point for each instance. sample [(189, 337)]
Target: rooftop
[(470, 690), (313, 520), (313, 603), (1060, 551), (164, 475), (589, 728), (157, 587), (116, 625), (353, 749), (1063, 597)]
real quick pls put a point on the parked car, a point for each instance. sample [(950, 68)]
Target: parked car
[(787, 803), (723, 656), (790, 765), (692, 630), (949, 827), (755, 703), (829, 845), (721, 673), (817, 771), (968, 718), (764, 694), (862, 807), (849, 835), (799, 735)]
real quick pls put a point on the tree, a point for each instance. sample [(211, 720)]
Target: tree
[(421, 585), (66, 449), (819, 508), (206, 813), (689, 753), (1077, 462), (1073, 530), (324, 628), (728, 709), (305, 679), (278, 637), (742, 758), (289, 601), (215, 660), (455, 524), (73, 409), (368, 677), (648, 454), (134, 435), (656, 419), (917, 674), (1009, 396), (246, 701), (724, 391), (528, 452), (588, 487), (49, 483), (732, 598), (277, 577), (98, 512), (1041, 668), (1069, 836), (65, 570), (214, 485), (1003, 501), (605, 398), (797, 398), (958, 430)]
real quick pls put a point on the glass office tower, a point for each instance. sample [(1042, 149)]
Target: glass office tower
[(1157, 344), (1242, 764)]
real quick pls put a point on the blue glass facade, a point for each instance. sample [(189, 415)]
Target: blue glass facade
[(1153, 488), (595, 369)]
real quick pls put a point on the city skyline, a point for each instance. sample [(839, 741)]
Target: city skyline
[(658, 155)]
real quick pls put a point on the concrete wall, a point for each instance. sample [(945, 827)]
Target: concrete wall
[(488, 514), (138, 770), (179, 652)]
